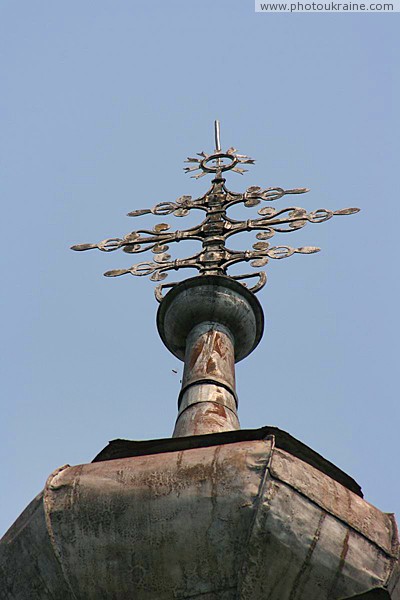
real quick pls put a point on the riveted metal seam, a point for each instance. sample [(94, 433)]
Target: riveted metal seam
[(211, 381), (206, 402), (332, 514), (395, 559), (50, 530), (342, 562), (257, 503), (307, 560)]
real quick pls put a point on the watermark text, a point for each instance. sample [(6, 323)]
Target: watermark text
[(327, 6)]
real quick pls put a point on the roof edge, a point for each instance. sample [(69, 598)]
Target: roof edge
[(119, 448)]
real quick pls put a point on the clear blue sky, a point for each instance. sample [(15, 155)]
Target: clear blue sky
[(101, 101)]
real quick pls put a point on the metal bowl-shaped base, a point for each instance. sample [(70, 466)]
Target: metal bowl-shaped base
[(210, 298)]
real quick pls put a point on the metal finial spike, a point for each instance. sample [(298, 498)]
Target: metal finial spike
[(218, 162), (217, 136)]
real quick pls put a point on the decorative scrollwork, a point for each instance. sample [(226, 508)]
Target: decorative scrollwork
[(179, 208), (217, 226), (254, 194)]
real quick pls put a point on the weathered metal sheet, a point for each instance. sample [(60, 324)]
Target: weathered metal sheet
[(237, 521), (177, 523), (206, 416), (28, 567), (283, 440), (336, 500), (327, 543)]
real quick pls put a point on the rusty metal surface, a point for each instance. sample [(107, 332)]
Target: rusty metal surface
[(205, 391), (210, 322), (283, 440), (208, 415), (347, 507), (215, 258), (207, 401), (333, 534), (28, 567), (210, 354), (225, 522)]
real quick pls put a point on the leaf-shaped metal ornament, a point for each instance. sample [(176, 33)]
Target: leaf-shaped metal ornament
[(308, 249), (298, 191), (159, 248), (158, 276), (116, 272), (346, 211), (132, 248), (265, 235), (253, 189), (252, 202), (261, 246), (259, 262), (161, 258), (161, 227), (139, 213), (133, 236), (183, 200), (297, 213), (245, 160), (297, 224), (83, 247), (181, 212)]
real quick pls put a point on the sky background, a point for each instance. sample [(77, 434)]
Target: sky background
[(101, 101)]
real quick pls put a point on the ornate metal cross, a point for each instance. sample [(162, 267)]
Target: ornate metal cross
[(215, 258)]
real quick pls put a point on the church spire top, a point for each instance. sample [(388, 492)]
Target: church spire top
[(213, 320), (215, 258)]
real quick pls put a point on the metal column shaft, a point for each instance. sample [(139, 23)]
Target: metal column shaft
[(208, 402), (209, 322)]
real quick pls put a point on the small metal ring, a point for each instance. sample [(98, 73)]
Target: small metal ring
[(215, 169)]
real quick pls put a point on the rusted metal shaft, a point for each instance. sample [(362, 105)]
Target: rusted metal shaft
[(209, 322), (208, 402)]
